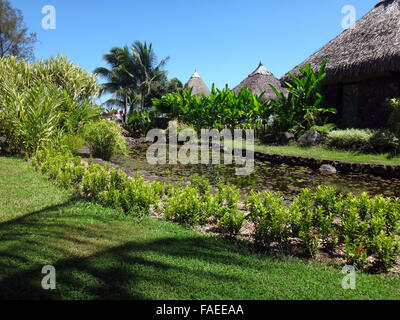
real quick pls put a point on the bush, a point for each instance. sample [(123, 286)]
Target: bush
[(57, 71), (383, 141), (363, 140), (72, 142), (226, 209), (139, 122), (42, 100), (349, 139), (186, 206), (137, 197), (387, 248), (230, 222), (355, 253), (327, 207), (270, 217), (32, 118), (104, 138), (303, 220), (368, 228)]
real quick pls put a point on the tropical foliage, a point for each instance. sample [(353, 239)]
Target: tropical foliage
[(140, 121), (221, 109), (303, 107), (135, 76), (104, 138), (43, 101)]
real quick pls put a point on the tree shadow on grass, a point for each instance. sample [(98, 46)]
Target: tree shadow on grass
[(133, 269)]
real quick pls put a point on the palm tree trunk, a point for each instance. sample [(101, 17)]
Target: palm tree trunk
[(142, 99), (125, 108)]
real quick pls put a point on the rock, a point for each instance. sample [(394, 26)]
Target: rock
[(379, 170), (397, 171), (268, 139), (310, 139), (327, 170), (286, 138)]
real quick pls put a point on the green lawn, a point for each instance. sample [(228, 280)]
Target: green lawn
[(99, 254), (326, 154)]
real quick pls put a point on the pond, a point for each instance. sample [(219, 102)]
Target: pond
[(266, 176)]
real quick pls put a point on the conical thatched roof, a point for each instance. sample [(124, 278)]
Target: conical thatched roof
[(259, 81), (372, 45), (198, 85)]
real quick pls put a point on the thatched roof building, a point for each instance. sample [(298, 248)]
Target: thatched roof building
[(197, 84), (259, 81), (363, 66)]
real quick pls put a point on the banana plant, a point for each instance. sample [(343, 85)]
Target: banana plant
[(303, 107)]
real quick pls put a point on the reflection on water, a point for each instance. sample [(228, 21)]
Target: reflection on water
[(266, 176)]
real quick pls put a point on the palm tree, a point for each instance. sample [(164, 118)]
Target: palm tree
[(119, 84), (132, 74), (149, 71)]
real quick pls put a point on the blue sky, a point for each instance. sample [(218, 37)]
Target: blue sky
[(223, 39)]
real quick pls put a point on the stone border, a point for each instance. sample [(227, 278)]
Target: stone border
[(381, 170)]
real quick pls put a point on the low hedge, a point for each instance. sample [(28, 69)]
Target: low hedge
[(367, 229)]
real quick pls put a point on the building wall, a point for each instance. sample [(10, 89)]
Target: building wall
[(372, 94)]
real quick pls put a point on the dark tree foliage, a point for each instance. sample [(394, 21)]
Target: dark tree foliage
[(14, 37), (161, 88)]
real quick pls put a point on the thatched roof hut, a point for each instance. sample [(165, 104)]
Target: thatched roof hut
[(363, 68), (259, 81), (372, 45), (197, 84)]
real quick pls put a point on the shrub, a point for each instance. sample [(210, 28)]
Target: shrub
[(387, 248), (349, 139), (324, 129), (363, 140), (42, 100), (32, 118), (57, 71), (353, 227), (139, 122), (104, 138), (137, 197), (368, 227), (226, 196), (270, 217), (326, 228), (185, 206), (383, 141), (72, 142), (202, 185), (226, 209), (303, 217), (355, 253), (230, 222)]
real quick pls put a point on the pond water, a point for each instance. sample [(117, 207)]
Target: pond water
[(266, 176)]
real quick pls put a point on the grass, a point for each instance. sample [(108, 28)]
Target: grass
[(320, 152), (99, 254)]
